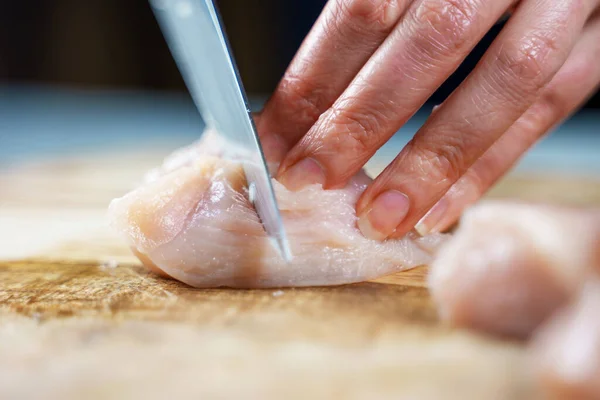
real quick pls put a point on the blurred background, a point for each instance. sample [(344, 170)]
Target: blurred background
[(117, 44), (98, 72)]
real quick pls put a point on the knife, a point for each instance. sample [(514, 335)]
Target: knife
[(197, 40)]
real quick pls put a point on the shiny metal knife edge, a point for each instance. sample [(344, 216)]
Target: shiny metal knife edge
[(256, 171)]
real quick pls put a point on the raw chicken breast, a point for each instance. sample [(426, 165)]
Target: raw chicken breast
[(566, 352), (193, 220), (510, 266)]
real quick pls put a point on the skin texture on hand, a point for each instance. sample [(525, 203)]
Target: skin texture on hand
[(368, 65)]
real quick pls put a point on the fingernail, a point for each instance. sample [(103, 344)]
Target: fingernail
[(303, 173), (428, 223), (386, 212)]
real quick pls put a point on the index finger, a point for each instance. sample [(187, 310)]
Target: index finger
[(344, 37)]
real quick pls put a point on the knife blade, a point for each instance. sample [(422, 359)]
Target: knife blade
[(195, 35)]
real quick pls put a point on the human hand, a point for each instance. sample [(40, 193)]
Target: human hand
[(368, 65)]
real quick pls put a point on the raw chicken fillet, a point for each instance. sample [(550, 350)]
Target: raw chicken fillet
[(531, 271), (509, 266), (193, 220), (566, 350)]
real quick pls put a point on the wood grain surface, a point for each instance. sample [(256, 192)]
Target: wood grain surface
[(80, 318)]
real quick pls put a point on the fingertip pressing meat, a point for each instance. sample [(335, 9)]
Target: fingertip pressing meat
[(566, 351), (193, 220), (510, 265)]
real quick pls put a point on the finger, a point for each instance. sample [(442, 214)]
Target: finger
[(345, 35), (522, 60), (575, 82), (429, 43)]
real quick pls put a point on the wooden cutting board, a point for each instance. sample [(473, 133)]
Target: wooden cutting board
[(80, 318)]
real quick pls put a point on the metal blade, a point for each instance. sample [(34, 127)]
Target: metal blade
[(199, 45)]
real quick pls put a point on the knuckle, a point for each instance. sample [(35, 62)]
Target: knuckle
[(357, 132), (300, 94), (529, 127), (485, 171), (527, 61), (557, 100), (371, 14), (445, 24), (554, 103), (468, 189), (444, 163), (477, 183)]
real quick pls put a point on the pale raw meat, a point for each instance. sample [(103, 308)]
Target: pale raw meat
[(510, 266), (566, 352), (193, 220), (518, 269)]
